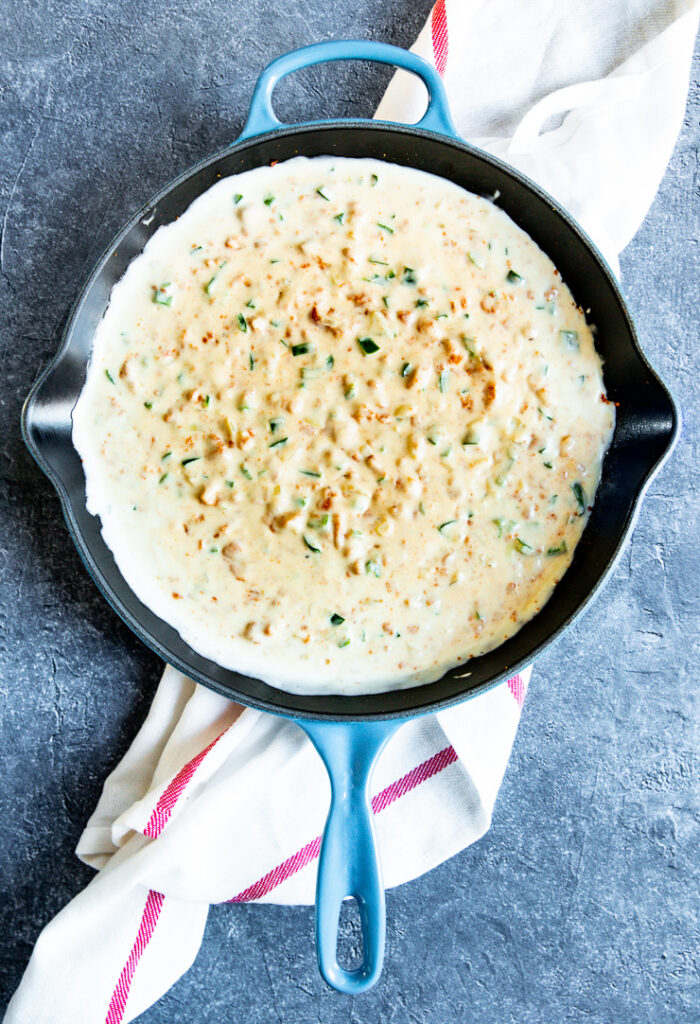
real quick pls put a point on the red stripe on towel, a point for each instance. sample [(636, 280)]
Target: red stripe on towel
[(273, 878), (517, 687), (437, 763), (438, 31), (172, 792), (149, 920), (410, 780)]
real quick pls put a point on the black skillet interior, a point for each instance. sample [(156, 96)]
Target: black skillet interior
[(647, 419)]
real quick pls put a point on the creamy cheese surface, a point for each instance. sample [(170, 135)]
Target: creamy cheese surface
[(342, 424)]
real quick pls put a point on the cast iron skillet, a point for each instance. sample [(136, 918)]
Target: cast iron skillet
[(349, 732)]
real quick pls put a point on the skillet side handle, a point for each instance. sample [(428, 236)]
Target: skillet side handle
[(349, 862), (262, 117)]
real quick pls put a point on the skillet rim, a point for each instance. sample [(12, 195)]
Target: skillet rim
[(283, 701)]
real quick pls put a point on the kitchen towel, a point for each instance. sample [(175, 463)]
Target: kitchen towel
[(214, 802)]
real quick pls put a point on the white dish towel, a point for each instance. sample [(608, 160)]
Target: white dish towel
[(217, 803)]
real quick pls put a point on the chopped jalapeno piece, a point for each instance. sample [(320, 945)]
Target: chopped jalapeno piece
[(470, 346), (161, 295), (211, 283), (580, 496), (368, 346), (311, 372)]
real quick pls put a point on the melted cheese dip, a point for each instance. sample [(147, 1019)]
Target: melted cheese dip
[(343, 425)]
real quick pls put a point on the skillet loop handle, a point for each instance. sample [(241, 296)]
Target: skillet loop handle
[(262, 117), (349, 863)]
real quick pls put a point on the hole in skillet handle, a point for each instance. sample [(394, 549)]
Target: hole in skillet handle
[(296, 98), (262, 118), (350, 950)]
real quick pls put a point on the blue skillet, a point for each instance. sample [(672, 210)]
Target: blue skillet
[(350, 732)]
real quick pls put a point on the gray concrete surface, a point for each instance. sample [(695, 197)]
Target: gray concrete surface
[(581, 904)]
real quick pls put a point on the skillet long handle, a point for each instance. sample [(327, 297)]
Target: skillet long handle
[(349, 863), (262, 117)]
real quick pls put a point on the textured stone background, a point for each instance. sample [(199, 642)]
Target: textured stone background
[(581, 904)]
